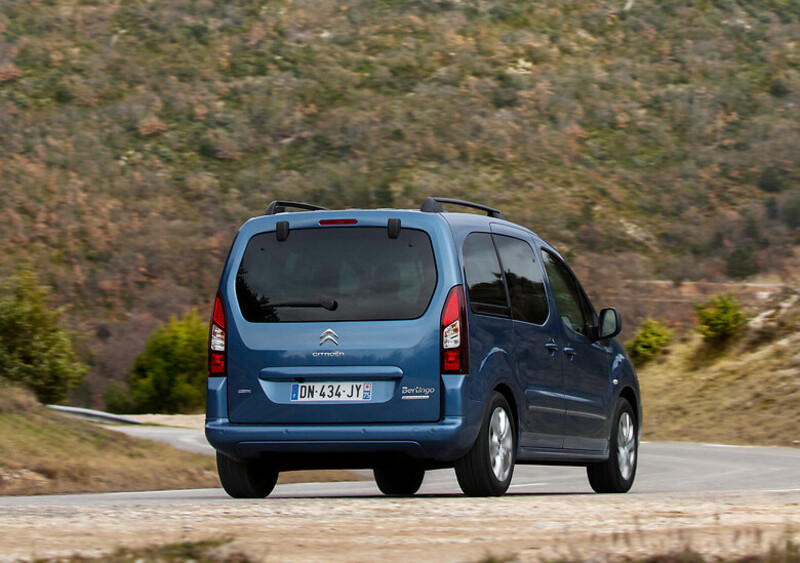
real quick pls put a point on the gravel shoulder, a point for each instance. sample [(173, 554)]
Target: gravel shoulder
[(426, 528)]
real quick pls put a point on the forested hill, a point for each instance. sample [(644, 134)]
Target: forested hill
[(136, 135)]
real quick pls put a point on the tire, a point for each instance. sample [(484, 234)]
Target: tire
[(402, 480), (247, 478), (486, 470), (616, 474)]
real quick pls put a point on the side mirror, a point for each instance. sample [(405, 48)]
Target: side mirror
[(610, 324)]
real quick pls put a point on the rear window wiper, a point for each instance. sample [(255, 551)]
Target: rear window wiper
[(326, 302)]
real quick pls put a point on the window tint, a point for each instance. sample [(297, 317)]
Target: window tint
[(487, 293), (368, 275), (524, 279), (566, 293)]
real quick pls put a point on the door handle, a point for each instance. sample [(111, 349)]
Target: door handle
[(552, 347), (570, 352)]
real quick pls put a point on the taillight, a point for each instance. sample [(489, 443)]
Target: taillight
[(455, 352), (217, 365)]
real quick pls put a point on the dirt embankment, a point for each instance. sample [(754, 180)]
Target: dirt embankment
[(44, 452), (746, 391)]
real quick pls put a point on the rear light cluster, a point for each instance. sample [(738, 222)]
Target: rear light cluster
[(326, 222), (217, 365), (455, 353)]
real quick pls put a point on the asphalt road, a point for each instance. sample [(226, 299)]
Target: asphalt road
[(664, 467)]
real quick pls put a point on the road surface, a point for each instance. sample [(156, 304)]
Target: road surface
[(719, 500), (663, 467)]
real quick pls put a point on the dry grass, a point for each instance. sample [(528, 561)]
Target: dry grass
[(42, 452), (217, 551), (206, 551), (745, 393)]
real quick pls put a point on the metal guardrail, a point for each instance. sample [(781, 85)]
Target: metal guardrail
[(89, 414)]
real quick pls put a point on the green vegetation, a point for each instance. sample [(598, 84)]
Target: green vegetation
[(36, 350), (720, 318), (43, 452), (136, 136), (648, 341), (169, 376)]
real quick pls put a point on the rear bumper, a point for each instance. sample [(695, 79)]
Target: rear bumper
[(439, 442), (351, 445)]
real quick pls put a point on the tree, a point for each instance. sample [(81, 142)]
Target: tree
[(170, 374), (740, 264), (720, 318), (36, 349)]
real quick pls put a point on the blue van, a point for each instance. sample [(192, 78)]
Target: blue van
[(407, 340)]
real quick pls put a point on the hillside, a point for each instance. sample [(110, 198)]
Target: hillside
[(136, 136), (747, 393)]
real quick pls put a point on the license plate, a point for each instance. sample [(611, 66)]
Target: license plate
[(324, 392)]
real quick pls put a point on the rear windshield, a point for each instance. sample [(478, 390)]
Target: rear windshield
[(336, 274)]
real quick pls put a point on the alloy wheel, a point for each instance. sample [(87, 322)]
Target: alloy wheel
[(626, 445), (501, 443)]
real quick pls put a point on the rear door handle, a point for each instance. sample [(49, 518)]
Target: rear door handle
[(552, 347), (570, 352)]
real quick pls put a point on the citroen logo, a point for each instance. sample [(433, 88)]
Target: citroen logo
[(328, 336)]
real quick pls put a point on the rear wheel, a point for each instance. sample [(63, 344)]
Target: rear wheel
[(488, 467), (246, 478), (616, 474), (399, 480)]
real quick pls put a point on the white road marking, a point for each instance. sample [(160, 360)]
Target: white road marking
[(527, 485)]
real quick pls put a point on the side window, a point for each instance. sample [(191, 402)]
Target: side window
[(524, 279), (567, 294), (487, 294)]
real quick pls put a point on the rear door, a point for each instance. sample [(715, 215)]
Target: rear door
[(535, 350), (334, 325)]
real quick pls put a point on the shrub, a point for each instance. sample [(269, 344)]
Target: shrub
[(771, 180), (740, 264), (648, 341), (36, 350), (9, 72), (720, 318), (169, 376), (150, 126)]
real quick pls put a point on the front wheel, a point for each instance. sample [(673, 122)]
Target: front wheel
[(616, 474), (246, 478), (487, 468)]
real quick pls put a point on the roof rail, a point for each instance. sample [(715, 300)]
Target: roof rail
[(279, 206), (434, 205)]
